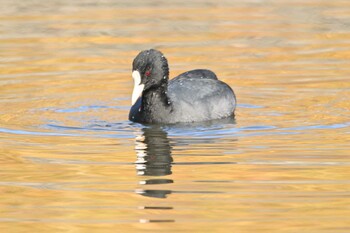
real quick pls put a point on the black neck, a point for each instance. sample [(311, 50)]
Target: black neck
[(155, 96), (155, 100)]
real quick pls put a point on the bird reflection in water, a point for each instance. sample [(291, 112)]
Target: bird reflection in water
[(153, 151)]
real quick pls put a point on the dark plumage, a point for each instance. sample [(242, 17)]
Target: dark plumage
[(196, 95)]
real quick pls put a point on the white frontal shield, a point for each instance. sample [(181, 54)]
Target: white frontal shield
[(138, 88)]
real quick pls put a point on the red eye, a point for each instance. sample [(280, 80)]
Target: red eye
[(148, 73)]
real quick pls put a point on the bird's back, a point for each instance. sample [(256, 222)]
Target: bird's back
[(199, 95)]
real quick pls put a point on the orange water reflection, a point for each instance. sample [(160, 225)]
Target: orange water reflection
[(70, 160)]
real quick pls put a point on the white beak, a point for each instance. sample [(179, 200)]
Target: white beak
[(138, 88)]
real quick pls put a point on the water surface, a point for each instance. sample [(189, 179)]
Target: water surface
[(71, 161)]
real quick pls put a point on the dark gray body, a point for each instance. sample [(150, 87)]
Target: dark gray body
[(195, 95)]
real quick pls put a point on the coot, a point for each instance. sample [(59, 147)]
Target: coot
[(196, 95)]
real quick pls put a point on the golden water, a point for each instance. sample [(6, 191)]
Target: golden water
[(72, 162)]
